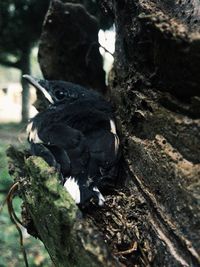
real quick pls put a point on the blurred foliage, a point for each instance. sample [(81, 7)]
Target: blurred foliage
[(12, 75), (20, 26), (10, 252), (5, 179), (21, 23)]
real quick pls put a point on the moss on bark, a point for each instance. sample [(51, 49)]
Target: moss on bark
[(70, 239)]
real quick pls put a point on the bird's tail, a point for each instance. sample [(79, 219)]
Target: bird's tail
[(83, 194)]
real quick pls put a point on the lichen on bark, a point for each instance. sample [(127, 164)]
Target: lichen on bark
[(70, 239)]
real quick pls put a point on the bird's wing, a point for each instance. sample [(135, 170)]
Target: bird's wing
[(69, 148), (105, 153)]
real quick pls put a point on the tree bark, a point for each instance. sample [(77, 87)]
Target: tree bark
[(72, 53), (155, 88), (154, 219), (54, 217)]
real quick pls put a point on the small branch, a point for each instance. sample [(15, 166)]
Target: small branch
[(15, 220), (128, 251)]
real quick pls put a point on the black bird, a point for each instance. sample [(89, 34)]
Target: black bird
[(77, 135)]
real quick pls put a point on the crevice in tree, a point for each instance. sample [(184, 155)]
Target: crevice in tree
[(154, 86), (182, 247)]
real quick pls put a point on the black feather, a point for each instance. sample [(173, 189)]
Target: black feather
[(76, 131)]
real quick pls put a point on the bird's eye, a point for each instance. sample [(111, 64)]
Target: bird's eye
[(59, 94)]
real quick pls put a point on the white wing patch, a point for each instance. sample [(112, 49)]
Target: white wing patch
[(29, 127), (114, 132), (112, 127), (33, 134), (116, 144), (72, 187), (100, 196)]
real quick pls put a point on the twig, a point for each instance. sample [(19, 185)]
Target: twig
[(14, 218), (128, 251)]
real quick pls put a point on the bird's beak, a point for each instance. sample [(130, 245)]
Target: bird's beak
[(36, 84)]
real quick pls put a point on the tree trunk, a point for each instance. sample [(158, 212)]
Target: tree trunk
[(50, 214), (25, 69), (154, 219), (73, 53), (155, 87)]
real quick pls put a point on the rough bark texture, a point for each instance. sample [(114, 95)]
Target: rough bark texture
[(158, 44), (154, 220), (54, 217), (69, 48), (158, 49)]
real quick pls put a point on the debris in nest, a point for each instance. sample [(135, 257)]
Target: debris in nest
[(122, 222), (128, 251)]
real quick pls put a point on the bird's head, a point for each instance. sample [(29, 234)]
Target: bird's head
[(58, 91)]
